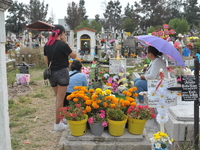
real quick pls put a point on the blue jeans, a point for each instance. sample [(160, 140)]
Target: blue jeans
[(141, 86)]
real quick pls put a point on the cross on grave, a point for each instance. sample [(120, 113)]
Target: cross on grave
[(190, 92)]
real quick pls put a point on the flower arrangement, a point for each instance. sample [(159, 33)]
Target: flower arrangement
[(160, 140), (23, 79), (112, 41), (116, 82), (99, 117), (103, 41), (95, 100), (74, 113), (141, 112), (86, 71)]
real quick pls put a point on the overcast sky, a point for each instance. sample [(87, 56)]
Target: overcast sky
[(93, 7)]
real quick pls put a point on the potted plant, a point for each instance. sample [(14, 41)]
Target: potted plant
[(76, 119), (116, 121), (97, 122), (160, 141), (137, 118)]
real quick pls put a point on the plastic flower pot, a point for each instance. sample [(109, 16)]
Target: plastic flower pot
[(96, 129), (116, 128), (136, 126), (160, 148), (78, 128)]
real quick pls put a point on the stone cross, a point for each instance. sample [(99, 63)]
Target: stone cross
[(4, 118)]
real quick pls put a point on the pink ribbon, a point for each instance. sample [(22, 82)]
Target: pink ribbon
[(52, 39)]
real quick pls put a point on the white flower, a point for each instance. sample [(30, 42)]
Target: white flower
[(157, 145), (162, 95), (172, 94), (162, 86), (162, 117), (152, 94), (162, 106), (106, 75), (127, 73), (115, 78), (132, 83)]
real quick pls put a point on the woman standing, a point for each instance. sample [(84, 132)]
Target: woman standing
[(152, 72), (57, 52)]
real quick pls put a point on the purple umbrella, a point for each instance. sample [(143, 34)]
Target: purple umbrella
[(163, 46)]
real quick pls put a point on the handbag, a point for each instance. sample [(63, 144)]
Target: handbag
[(47, 71)]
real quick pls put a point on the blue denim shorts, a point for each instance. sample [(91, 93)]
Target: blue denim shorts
[(59, 77)]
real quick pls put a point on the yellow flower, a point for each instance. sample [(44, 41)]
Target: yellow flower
[(108, 92), (98, 90)]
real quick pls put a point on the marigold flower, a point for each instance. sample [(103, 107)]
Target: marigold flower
[(135, 94), (105, 104), (134, 89), (88, 108), (112, 105), (75, 100), (108, 84), (108, 92), (98, 90), (133, 104), (88, 102), (91, 90)]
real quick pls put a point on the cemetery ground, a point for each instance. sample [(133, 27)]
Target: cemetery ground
[(32, 110)]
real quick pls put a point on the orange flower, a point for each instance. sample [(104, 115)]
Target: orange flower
[(126, 103), (134, 89), (94, 97), (75, 100), (105, 104), (130, 90), (88, 109), (135, 95), (112, 105), (133, 104), (88, 102), (91, 90), (108, 84), (99, 101), (129, 94), (124, 92), (76, 88), (95, 105)]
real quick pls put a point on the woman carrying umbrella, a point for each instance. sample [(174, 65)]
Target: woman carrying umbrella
[(152, 71)]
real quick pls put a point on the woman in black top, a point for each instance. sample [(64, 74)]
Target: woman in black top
[(57, 51)]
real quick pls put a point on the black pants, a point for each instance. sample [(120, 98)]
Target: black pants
[(66, 102)]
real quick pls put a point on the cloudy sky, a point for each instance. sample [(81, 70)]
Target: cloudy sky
[(93, 7)]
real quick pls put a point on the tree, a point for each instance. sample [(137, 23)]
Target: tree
[(128, 25), (73, 18), (36, 10), (92, 25), (16, 18), (51, 18), (155, 12), (128, 11), (179, 25), (175, 7), (83, 10), (113, 15), (191, 11)]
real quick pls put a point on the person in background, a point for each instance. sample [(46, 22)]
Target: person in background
[(57, 51), (187, 50), (152, 72), (76, 79), (180, 40)]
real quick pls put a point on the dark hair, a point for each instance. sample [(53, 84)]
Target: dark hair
[(56, 27), (154, 51), (76, 65)]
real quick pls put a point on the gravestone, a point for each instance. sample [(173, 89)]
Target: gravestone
[(4, 118)]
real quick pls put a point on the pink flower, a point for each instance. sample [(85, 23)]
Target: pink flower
[(91, 120), (102, 115), (102, 111), (105, 124), (110, 80)]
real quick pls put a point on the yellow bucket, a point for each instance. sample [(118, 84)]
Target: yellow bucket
[(116, 128), (78, 128), (136, 126)]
